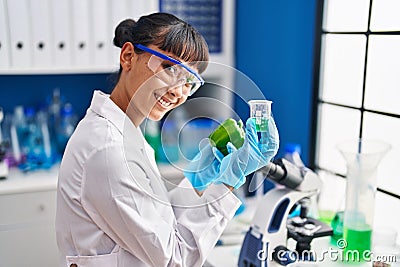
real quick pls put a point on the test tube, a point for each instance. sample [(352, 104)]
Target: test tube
[(260, 111)]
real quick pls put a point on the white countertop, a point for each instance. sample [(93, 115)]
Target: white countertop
[(326, 253), (326, 256), (45, 180), (222, 256), (38, 180)]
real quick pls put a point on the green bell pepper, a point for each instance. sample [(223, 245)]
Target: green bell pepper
[(228, 131)]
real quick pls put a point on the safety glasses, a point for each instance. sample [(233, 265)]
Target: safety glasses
[(174, 73)]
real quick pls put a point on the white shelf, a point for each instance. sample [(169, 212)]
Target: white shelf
[(213, 70), (49, 71)]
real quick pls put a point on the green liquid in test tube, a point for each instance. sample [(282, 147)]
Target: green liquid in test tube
[(260, 111)]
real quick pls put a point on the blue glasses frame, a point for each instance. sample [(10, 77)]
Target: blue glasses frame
[(165, 57)]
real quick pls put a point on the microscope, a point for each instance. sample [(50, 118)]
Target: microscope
[(265, 243)]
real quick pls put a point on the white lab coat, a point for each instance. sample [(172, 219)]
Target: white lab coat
[(113, 208)]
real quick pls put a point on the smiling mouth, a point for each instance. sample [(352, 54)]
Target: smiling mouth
[(162, 101)]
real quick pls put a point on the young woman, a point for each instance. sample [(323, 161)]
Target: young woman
[(112, 206)]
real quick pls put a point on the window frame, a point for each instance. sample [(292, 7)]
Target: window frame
[(316, 97)]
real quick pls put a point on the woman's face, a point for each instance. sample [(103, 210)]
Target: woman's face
[(151, 96)]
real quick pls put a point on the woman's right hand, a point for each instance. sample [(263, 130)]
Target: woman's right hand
[(253, 155), (210, 166)]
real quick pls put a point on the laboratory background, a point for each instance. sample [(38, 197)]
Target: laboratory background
[(330, 68)]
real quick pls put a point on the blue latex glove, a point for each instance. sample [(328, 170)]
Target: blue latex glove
[(204, 167), (253, 155)]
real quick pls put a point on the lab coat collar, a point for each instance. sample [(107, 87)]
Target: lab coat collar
[(132, 136), (106, 108)]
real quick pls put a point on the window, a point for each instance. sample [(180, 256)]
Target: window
[(358, 84)]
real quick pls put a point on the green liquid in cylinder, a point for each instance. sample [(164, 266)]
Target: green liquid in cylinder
[(357, 240), (261, 124)]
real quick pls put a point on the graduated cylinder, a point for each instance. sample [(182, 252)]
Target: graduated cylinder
[(362, 158)]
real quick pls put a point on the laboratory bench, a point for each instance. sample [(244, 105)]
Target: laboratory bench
[(27, 216), (27, 208), (226, 254), (27, 231)]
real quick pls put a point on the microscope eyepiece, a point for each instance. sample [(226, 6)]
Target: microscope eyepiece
[(284, 172)]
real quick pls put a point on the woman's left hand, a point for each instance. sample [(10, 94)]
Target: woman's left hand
[(203, 169)]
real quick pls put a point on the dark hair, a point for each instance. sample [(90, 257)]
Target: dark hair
[(168, 33)]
